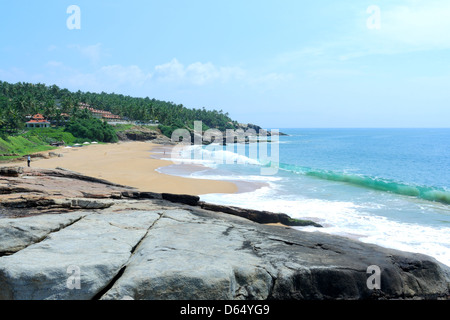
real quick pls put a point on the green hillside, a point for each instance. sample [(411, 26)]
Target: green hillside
[(17, 146)]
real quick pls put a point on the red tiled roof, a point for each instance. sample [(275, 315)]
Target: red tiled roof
[(105, 114), (38, 118)]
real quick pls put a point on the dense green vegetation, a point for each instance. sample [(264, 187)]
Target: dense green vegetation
[(17, 101), (123, 127), (21, 99), (15, 146), (92, 129), (51, 135)]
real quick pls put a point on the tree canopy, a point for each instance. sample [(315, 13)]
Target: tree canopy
[(21, 99)]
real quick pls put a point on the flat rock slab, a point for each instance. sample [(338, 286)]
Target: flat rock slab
[(160, 250), (190, 257), (94, 248), (16, 234), (204, 255)]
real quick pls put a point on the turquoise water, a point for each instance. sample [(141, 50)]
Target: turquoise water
[(412, 162), (390, 187)]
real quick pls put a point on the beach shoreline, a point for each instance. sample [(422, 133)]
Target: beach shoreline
[(190, 170), (131, 164)]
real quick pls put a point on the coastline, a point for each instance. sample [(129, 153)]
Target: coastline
[(177, 239), (131, 164), (290, 254), (188, 170)]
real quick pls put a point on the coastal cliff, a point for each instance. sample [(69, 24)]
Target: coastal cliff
[(64, 235)]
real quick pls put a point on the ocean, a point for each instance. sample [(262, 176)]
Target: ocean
[(389, 187)]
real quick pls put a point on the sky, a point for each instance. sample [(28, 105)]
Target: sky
[(278, 64)]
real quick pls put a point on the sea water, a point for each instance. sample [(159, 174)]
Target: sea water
[(389, 187)]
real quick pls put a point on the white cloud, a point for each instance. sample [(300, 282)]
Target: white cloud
[(119, 74), (132, 78), (106, 78), (197, 73), (200, 73), (82, 81), (92, 52), (170, 71)]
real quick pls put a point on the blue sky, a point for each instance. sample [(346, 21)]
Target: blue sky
[(279, 64)]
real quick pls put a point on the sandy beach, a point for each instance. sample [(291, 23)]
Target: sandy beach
[(131, 164)]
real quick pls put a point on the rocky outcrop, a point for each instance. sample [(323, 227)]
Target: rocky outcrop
[(258, 129), (259, 216), (97, 245), (140, 133), (145, 245), (137, 135), (11, 171), (254, 215), (17, 234)]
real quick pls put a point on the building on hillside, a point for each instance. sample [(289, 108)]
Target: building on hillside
[(37, 121), (100, 114)]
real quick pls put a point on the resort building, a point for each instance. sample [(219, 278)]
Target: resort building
[(100, 114), (38, 121)]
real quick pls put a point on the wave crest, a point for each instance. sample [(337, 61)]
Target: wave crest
[(375, 183)]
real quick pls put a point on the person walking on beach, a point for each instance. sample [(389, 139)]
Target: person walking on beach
[(29, 160)]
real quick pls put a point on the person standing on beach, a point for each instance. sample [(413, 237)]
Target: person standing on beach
[(29, 160)]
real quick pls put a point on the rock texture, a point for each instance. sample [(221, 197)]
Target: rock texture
[(144, 245), (142, 133)]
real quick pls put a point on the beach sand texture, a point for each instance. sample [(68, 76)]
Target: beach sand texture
[(130, 164)]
